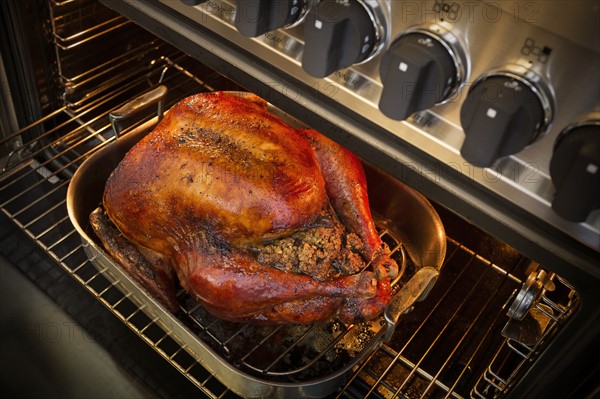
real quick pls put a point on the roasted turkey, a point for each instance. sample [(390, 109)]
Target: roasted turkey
[(258, 221)]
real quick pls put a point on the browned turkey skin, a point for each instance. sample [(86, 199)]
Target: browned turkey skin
[(259, 221)]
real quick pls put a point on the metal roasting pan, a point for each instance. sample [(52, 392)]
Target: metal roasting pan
[(399, 208)]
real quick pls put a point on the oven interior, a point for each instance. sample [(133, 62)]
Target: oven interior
[(460, 342)]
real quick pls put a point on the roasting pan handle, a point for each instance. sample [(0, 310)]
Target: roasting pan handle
[(416, 289), (135, 106)]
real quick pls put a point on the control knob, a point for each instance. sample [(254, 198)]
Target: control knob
[(338, 34), (255, 17), (419, 70), (575, 170), (502, 114)]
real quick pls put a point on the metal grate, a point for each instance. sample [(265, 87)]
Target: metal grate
[(436, 356), (76, 23), (451, 346)]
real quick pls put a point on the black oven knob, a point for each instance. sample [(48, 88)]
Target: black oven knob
[(575, 171), (503, 112), (338, 34), (256, 17), (419, 70)]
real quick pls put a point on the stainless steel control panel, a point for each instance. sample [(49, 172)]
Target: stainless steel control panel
[(487, 87)]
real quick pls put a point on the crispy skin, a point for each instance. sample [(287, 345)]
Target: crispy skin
[(235, 287), (224, 162), (155, 277), (219, 180)]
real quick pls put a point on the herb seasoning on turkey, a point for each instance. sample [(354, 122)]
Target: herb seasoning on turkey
[(260, 222)]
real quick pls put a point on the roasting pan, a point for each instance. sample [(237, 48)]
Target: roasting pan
[(400, 213)]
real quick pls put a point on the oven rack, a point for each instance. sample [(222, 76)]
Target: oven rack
[(74, 25), (91, 60), (111, 73), (393, 369)]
